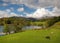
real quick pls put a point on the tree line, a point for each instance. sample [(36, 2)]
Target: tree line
[(15, 24)]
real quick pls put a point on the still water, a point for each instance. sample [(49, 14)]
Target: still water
[(1, 30), (31, 27), (24, 28)]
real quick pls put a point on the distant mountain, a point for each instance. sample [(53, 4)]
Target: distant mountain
[(31, 19)]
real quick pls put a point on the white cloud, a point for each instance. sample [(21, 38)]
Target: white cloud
[(3, 14), (36, 3), (12, 14), (20, 9), (42, 12), (8, 10), (40, 5), (56, 12), (6, 14), (38, 13), (5, 4), (6, 0), (11, 8)]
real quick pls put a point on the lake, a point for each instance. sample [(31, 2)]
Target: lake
[(31, 27), (24, 28), (1, 31)]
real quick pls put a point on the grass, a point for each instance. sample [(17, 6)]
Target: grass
[(34, 36), (37, 23)]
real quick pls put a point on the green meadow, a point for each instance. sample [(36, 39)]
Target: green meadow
[(48, 35)]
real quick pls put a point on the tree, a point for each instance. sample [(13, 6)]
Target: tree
[(52, 21), (6, 29)]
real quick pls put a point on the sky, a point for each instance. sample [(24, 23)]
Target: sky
[(29, 8)]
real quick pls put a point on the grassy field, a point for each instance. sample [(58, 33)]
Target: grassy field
[(34, 36), (38, 23)]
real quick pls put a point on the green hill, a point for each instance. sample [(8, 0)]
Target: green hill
[(51, 35), (56, 25), (48, 35)]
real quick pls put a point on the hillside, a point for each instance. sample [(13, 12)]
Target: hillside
[(56, 25), (50, 35)]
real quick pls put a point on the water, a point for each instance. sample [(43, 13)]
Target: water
[(31, 27), (24, 28), (1, 30)]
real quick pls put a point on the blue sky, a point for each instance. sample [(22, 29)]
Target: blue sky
[(15, 7), (28, 7)]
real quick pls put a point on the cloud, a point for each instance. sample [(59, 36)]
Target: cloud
[(42, 12), (38, 13), (12, 9), (13, 14), (7, 14), (36, 3), (3, 14), (20, 9), (40, 5), (8, 10), (56, 12), (4, 4)]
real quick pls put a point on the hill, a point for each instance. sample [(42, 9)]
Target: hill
[(50, 35), (56, 25)]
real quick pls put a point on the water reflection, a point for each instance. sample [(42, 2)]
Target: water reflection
[(1, 31), (31, 27)]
